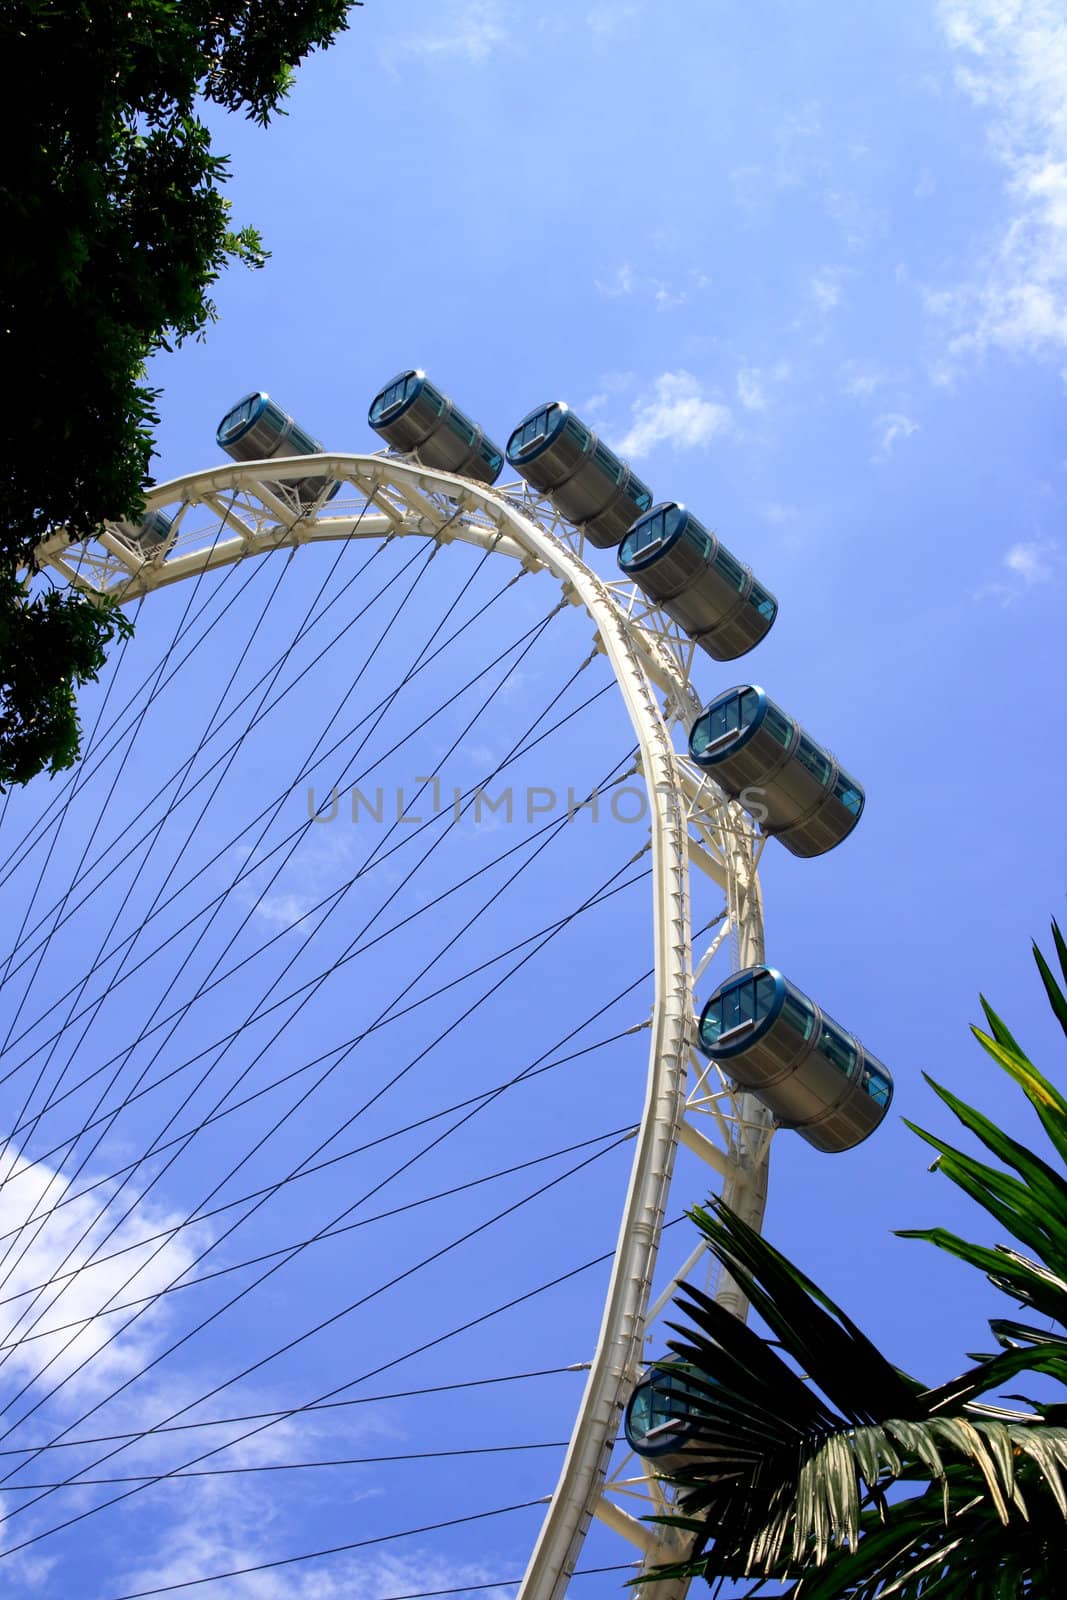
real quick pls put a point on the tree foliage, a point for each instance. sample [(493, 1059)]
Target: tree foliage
[(115, 230), (816, 1463)]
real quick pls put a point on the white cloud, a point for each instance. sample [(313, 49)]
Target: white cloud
[(859, 221), (621, 282), (889, 428), (778, 514), (665, 296), (473, 30), (1031, 561), (32, 1189), (825, 288), (1013, 63), (675, 411), (1026, 565), (750, 390), (753, 384), (604, 21), (860, 381)]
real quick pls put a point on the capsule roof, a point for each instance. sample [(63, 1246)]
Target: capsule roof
[(243, 416), (397, 396), (536, 431)]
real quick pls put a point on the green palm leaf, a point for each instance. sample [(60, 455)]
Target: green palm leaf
[(811, 1460)]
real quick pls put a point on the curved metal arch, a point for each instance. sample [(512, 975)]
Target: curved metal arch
[(383, 496)]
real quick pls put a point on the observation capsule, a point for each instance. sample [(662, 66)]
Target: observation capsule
[(560, 457), (775, 1042), (687, 571), (256, 429), (148, 534), (763, 758), (656, 1421), (413, 416)]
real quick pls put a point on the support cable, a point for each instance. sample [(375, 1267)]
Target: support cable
[(307, 1093), (81, 1323), (256, 1366), (94, 1009)]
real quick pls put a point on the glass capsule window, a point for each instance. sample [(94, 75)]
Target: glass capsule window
[(719, 720), (652, 531), (838, 1048), (748, 1001), (815, 760), (300, 443), (464, 429), (799, 1015), (699, 538), (394, 397), (731, 570), (609, 464), (778, 725), (492, 458), (849, 793), (726, 716), (660, 1402), (533, 430), (238, 418), (639, 493), (876, 1085), (764, 603)]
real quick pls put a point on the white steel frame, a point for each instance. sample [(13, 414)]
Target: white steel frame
[(232, 512)]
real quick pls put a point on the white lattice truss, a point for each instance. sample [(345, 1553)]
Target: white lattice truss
[(231, 513)]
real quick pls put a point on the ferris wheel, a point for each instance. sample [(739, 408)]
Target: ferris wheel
[(655, 593)]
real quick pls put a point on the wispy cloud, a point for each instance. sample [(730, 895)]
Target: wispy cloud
[(824, 288), (779, 514), (604, 21), (471, 31), (1012, 61), (622, 281), (665, 295), (1025, 566), (71, 1333), (675, 411), (890, 428), (860, 381), (754, 384)]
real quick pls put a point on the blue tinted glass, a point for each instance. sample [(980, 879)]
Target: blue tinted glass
[(798, 1014), (763, 602), (492, 458), (765, 992), (459, 425), (533, 430), (778, 725), (849, 793), (812, 758), (639, 493), (391, 399), (737, 1004), (645, 535), (731, 569), (300, 443), (711, 1021), (877, 1086), (722, 718), (837, 1047), (609, 464), (749, 707)]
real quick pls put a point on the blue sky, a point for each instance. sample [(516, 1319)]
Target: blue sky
[(806, 266)]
